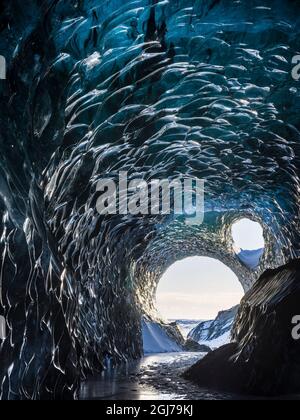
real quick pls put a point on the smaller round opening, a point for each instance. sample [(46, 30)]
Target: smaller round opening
[(248, 242), (248, 235)]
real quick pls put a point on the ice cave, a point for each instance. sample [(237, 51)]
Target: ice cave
[(160, 89)]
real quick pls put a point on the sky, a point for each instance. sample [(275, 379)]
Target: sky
[(199, 287), (248, 234)]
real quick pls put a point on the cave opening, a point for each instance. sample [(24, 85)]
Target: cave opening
[(248, 242), (98, 88), (196, 290)]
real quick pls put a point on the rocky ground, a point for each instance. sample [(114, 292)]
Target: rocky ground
[(156, 377), (164, 374)]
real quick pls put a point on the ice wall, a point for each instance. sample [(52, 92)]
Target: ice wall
[(159, 89)]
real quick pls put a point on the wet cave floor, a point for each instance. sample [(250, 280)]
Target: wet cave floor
[(155, 377)]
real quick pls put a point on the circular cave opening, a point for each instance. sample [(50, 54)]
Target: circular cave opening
[(201, 295), (248, 242)]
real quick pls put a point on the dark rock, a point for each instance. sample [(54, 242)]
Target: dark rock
[(218, 371), (191, 345), (173, 330), (265, 359)]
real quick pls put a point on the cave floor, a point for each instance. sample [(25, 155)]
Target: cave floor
[(155, 377)]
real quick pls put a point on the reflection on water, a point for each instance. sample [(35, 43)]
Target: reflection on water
[(123, 382), (155, 377)]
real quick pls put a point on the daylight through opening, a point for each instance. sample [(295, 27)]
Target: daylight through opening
[(197, 289), (248, 235), (248, 242)]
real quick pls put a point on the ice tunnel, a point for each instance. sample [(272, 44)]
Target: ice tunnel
[(160, 89)]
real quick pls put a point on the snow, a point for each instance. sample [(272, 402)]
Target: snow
[(218, 342), (215, 333), (186, 325), (250, 258), (156, 340)]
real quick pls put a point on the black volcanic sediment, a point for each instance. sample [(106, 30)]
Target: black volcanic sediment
[(263, 360)]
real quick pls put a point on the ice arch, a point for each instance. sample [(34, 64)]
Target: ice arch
[(158, 88)]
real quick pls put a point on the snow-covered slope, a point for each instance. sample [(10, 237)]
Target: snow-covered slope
[(186, 325), (215, 333), (156, 340), (250, 258)]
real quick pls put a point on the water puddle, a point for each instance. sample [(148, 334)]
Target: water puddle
[(155, 377)]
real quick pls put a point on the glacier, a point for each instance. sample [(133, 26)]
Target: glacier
[(251, 258), (158, 88), (215, 333), (156, 340)]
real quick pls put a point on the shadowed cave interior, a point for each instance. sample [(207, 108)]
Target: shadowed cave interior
[(160, 89)]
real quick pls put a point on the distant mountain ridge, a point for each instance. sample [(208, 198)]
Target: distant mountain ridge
[(215, 333), (186, 325)]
